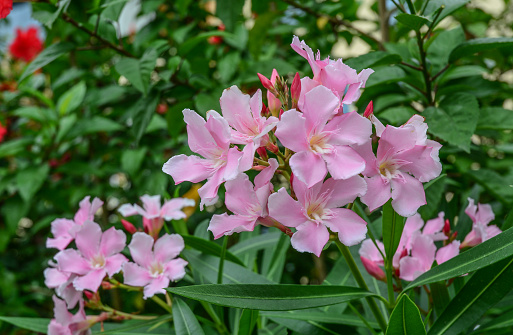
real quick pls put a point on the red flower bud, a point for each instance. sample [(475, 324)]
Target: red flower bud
[(262, 152), (89, 295), (162, 108), (295, 90), (369, 110), (447, 228), (265, 82), (129, 227)]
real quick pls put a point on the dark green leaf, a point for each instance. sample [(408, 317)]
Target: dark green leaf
[(503, 321), (145, 109), (30, 180), (95, 125), (130, 326), (469, 48), (440, 295), (131, 160), (434, 191), (386, 75), (494, 183), (210, 248), (192, 42), (412, 21), (271, 297), (229, 11), (373, 59), (138, 71), (405, 319), (70, 100), (455, 119), (393, 225), (247, 321), (484, 254), (321, 316), (184, 319), (439, 50), (258, 34), (449, 7), (486, 288), (37, 325), (495, 118), (47, 56), (256, 243)]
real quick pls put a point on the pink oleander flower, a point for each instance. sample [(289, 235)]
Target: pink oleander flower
[(98, 255), (66, 323), (371, 258), (62, 282), (317, 210), (248, 203), (154, 214), (155, 262), (321, 141), (334, 74), (243, 114), (481, 215), (64, 230), (405, 159), (210, 139)]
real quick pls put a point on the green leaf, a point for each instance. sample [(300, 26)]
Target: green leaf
[(480, 44), (184, 320), (405, 319), (229, 11), (34, 113), (321, 316), (440, 295), (494, 183), (495, 118), (386, 75), (47, 56), (454, 120), (228, 66), (138, 71), (393, 225), (130, 326), (449, 7), (37, 325), (271, 297), (14, 147), (411, 21), (373, 59), (491, 251), (62, 6), (65, 125), (194, 41), (259, 242), (30, 180), (95, 125), (209, 247), (503, 321), (486, 288), (71, 99), (145, 109), (439, 50), (247, 321), (132, 159), (434, 191), (258, 34)]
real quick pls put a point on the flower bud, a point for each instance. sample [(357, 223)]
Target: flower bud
[(369, 110), (129, 227), (266, 82), (373, 269), (295, 90), (447, 228), (262, 152)]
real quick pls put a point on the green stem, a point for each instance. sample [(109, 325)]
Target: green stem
[(389, 269), (162, 304), (114, 312), (344, 250), (221, 261), (427, 79)]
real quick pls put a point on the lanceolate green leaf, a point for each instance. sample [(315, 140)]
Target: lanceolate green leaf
[(210, 248), (321, 316), (503, 321), (393, 225), (480, 44), (184, 319), (37, 325), (412, 21), (405, 319), (138, 71), (247, 321), (484, 254), (47, 56), (486, 288), (271, 297), (256, 243)]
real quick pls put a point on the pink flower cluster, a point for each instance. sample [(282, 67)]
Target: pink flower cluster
[(98, 255), (417, 250), (324, 154)]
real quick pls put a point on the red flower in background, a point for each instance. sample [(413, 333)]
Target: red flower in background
[(27, 44), (5, 8), (3, 132), (214, 40)]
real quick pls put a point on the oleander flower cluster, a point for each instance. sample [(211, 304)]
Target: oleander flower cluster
[(422, 243), (88, 258), (312, 158)]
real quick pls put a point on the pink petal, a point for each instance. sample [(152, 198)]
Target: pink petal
[(225, 224), (90, 281), (55, 278), (199, 138), (307, 84), (87, 210), (306, 52), (378, 192), (233, 167), (420, 127), (408, 195), (248, 155), (60, 242), (310, 237), (471, 210), (127, 210), (156, 285), (172, 209), (264, 177), (240, 197), (412, 227), (348, 129), (151, 206), (175, 269), (113, 264), (434, 226), (113, 241), (60, 310), (308, 167), (70, 260), (141, 249), (344, 162), (449, 251), (291, 131), (168, 247), (484, 214), (343, 191), (492, 231), (255, 104), (373, 268), (351, 228), (219, 129), (320, 104), (187, 168), (236, 108), (424, 249), (134, 275), (337, 76), (365, 151), (395, 140), (370, 252), (410, 268), (295, 213), (422, 165)]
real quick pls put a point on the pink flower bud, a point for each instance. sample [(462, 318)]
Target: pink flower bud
[(89, 295), (373, 269), (369, 110), (447, 228), (295, 90), (272, 147), (258, 167), (265, 82), (281, 113), (129, 227), (262, 152), (107, 286)]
